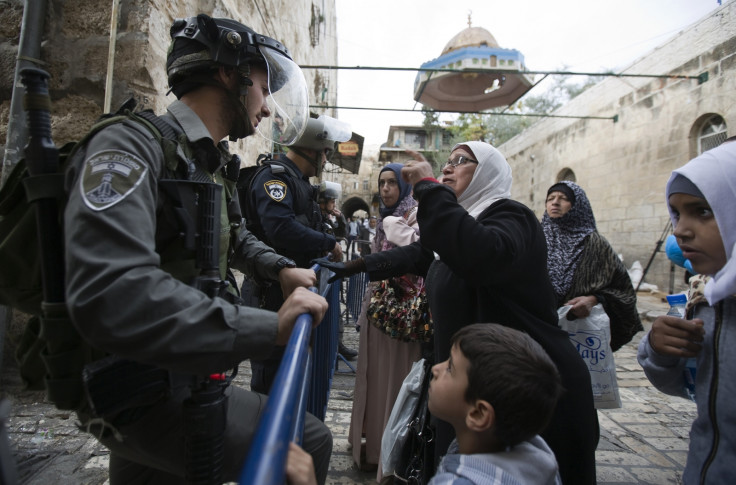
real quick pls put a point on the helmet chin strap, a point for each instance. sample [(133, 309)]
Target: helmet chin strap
[(314, 161), (242, 127)]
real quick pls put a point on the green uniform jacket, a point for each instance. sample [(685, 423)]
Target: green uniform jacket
[(118, 295)]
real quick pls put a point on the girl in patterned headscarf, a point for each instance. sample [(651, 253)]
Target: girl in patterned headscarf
[(583, 267)]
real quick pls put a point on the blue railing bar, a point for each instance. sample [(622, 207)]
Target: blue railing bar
[(266, 462), (283, 416), (297, 431)]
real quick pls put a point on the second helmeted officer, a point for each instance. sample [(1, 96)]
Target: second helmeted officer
[(282, 210)]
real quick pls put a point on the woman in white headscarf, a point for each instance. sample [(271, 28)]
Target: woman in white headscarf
[(701, 197), (485, 260)]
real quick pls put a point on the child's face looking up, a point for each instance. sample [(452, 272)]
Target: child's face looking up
[(447, 388), (697, 233)]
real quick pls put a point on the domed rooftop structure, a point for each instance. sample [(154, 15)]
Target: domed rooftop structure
[(470, 37), (442, 85)]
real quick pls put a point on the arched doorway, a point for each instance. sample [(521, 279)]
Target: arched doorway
[(352, 205), (566, 174)]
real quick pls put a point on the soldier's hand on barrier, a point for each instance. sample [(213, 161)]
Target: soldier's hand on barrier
[(292, 278), (300, 301), (341, 270)]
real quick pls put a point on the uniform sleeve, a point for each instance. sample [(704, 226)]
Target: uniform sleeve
[(273, 196), (665, 372), (117, 294), (253, 257)]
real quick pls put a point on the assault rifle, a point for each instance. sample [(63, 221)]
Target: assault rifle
[(205, 412)]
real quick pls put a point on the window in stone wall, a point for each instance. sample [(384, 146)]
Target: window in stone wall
[(566, 174), (415, 138), (712, 134)]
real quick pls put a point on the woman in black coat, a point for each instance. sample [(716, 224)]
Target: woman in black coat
[(485, 260)]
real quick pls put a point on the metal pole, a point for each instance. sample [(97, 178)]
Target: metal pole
[(29, 53), (111, 54)]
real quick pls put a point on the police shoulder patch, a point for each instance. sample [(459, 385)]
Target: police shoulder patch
[(276, 189), (109, 176)]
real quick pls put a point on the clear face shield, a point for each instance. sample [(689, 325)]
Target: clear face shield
[(337, 132), (287, 100)]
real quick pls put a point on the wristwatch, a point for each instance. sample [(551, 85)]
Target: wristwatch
[(285, 263)]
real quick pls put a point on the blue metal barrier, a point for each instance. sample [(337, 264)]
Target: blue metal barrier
[(266, 463), (324, 353), (283, 417), (356, 290)]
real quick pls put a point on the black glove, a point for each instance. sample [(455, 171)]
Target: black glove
[(348, 268)]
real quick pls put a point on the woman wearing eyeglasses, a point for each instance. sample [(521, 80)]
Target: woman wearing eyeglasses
[(485, 260)]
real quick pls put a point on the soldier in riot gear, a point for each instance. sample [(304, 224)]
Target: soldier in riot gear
[(282, 211), (129, 267), (329, 193)]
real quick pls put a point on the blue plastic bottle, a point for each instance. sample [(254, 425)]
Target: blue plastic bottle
[(677, 308)]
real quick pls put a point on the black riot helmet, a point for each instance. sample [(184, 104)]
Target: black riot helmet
[(201, 44)]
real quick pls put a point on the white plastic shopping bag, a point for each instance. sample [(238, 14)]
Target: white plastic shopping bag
[(396, 432), (591, 336)]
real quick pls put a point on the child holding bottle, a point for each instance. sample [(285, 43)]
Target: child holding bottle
[(701, 198)]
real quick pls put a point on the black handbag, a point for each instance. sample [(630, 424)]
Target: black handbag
[(416, 465)]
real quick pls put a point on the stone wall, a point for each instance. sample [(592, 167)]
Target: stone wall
[(623, 166), (75, 46), (77, 36)]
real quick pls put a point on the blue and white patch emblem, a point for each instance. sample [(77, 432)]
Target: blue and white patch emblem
[(109, 176), (275, 189)]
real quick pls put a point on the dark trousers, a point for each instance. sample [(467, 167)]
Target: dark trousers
[(152, 448), (264, 371)]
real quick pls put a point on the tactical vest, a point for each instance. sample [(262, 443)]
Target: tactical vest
[(306, 210), (51, 352), (174, 235)]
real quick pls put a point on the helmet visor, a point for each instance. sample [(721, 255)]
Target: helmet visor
[(287, 100), (336, 129)]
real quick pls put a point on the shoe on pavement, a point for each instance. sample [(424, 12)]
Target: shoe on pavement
[(349, 354)]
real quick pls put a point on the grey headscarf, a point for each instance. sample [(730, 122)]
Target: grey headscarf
[(565, 239)]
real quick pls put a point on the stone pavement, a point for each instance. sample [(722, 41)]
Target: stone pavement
[(644, 442)]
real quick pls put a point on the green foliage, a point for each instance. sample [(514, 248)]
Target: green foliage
[(431, 119), (470, 126)]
